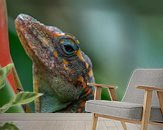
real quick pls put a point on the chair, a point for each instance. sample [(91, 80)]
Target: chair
[(141, 104)]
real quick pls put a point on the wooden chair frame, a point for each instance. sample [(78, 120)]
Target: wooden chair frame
[(146, 106)]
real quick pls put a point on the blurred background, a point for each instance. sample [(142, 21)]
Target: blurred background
[(118, 35)]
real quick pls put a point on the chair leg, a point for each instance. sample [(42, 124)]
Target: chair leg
[(124, 125), (146, 109), (144, 126), (94, 122)]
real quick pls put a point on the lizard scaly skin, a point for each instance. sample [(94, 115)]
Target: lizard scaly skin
[(60, 69)]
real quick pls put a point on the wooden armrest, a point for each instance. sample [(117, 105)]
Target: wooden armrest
[(102, 85), (111, 90), (150, 88), (148, 99)]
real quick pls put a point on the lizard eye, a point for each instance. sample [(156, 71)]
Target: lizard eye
[(68, 46), (69, 49)]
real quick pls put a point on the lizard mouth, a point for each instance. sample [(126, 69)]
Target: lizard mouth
[(21, 28), (36, 38)]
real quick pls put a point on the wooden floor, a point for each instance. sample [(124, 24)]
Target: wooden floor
[(60, 121)]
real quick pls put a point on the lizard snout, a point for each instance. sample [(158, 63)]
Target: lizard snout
[(24, 19)]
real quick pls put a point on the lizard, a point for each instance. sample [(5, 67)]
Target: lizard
[(61, 69)]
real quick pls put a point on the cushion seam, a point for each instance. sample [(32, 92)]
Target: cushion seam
[(114, 106)]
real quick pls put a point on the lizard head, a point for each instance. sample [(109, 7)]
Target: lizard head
[(58, 51)]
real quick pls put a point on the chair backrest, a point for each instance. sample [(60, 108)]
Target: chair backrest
[(147, 77)]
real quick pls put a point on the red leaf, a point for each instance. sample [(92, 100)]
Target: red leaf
[(5, 57)]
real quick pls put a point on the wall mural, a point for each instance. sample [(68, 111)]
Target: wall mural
[(61, 70), (118, 36)]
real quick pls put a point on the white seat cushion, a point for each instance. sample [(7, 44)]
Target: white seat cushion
[(125, 110)]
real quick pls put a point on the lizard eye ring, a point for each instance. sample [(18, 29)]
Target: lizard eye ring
[(68, 47), (69, 44)]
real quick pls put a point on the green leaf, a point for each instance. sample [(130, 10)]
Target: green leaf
[(21, 98), (5, 107), (25, 97), (7, 69), (3, 74), (8, 126), (2, 83)]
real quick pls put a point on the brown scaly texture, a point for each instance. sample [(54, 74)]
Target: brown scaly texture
[(60, 69)]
